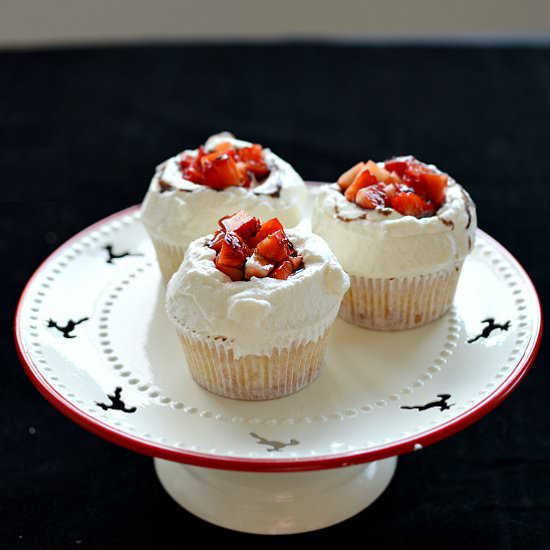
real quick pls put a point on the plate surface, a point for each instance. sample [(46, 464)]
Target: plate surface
[(91, 320)]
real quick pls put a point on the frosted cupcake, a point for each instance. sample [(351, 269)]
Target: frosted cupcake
[(401, 229), (252, 305), (191, 191)]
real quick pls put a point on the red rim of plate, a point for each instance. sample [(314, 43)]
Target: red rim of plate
[(150, 448)]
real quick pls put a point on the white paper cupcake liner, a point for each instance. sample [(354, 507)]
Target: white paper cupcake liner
[(169, 256), (251, 377), (400, 303)]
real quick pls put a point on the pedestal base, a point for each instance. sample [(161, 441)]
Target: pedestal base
[(275, 503)]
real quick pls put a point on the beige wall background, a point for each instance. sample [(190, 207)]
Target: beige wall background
[(44, 22)]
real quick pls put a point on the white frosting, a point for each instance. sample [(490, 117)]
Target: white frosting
[(192, 210), (259, 315), (382, 243)]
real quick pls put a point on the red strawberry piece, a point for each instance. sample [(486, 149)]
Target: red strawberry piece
[(297, 262), (391, 190), (226, 147), (254, 159), (283, 270), (217, 240), (363, 179), (371, 197), (434, 186), (192, 174), (399, 164), (267, 228), (274, 247), (380, 173), (221, 172), (233, 252), (346, 179), (232, 272), (411, 204), (257, 266), (245, 173), (241, 223)]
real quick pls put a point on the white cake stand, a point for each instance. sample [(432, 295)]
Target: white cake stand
[(92, 335)]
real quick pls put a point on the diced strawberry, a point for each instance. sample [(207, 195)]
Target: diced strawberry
[(380, 173), (372, 196), (257, 266), (363, 179), (245, 173), (434, 186), (221, 172), (274, 247), (398, 164), (217, 240), (267, 228), (411, 204), (391, 190), (241, 223), (233, 252), (283, 270), (192, 174), (254, 159), (297, 262), (234, 273), (226, 147), (346, 179)]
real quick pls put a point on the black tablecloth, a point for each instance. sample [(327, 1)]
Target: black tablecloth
[(80, 133)]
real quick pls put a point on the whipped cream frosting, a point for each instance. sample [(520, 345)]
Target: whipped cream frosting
[(259, 315), (383, 243), (177, 210)]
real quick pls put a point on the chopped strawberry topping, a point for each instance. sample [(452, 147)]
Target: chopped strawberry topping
[(434, 186), (253, 158), (283, 270), (234, 273), (274, 247), (268, 227), (346, 179), (221, 172), (241, 223), (245, 248), (403, 183), (411, 204), (233, 252), (224, 166), (363, 179), (371, 197), (217, 240), (398, 164)]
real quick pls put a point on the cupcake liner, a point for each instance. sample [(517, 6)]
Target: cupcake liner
[(214, 366), (169, 257), (400, 303)]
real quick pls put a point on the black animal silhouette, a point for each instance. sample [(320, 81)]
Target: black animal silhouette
[(276, 445), (491, 325), (441, 403), (116, 403), (68, 328), (113, 256)]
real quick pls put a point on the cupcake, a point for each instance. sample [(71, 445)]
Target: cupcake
[(252, 305), (401, 230), (191, 191)]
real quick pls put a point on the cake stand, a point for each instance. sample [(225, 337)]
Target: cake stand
[(92, 335)]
